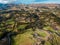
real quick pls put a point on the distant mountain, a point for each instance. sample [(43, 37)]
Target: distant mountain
[(5, 6), (46, 5), (19, 6)]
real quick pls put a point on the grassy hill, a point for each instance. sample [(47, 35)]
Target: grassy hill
[(28, 26)]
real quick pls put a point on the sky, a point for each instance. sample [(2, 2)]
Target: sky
[(29, 1)]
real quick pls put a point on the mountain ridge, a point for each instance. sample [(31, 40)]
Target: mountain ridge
[(9, 6)]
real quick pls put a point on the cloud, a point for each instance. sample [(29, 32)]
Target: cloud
[(7, 1), (17, 1), (29, 1)]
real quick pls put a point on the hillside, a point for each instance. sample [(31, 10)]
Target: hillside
[(30, 25)]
